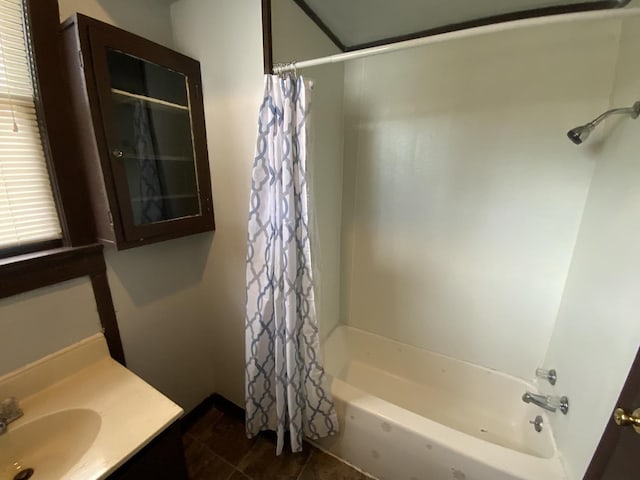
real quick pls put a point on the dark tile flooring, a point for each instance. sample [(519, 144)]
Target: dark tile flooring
[(216, 448)]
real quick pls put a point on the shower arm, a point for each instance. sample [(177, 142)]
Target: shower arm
[(632, 111)]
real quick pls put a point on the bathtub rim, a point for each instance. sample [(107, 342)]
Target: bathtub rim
[(528, 384)]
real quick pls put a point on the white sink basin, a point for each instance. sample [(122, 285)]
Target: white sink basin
[(85, 415), (50, 445)]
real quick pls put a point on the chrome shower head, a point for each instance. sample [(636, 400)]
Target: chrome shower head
[(579, 134)]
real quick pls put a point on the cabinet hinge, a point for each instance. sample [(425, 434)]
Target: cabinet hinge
[(110, 217), (80, 59)]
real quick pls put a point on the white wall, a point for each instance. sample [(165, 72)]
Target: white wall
[(160, 292), (161, 298), (597, 331), (44, 321), (462, 194), (147, 18), (296, 37), (226, 37)]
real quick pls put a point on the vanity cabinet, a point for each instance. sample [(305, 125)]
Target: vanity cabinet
[(139, 108), (162, 459)]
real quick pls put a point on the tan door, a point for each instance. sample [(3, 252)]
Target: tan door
[(618, 454)]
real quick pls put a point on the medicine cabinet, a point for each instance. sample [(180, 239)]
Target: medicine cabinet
[(140, 111)]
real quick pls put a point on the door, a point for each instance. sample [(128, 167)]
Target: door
[(616, 457)]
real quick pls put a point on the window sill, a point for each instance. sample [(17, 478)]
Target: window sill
[(22, 273)]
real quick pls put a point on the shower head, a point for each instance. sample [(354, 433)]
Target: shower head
[(579, 134)]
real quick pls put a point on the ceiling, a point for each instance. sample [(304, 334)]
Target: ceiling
[(354, 24)]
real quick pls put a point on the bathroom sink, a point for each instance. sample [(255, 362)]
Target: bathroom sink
[(85, 415), (51, 445)]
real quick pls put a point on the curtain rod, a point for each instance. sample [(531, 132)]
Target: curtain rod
[(469, 32)]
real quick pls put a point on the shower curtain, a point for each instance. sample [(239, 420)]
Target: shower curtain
[(285, 388)]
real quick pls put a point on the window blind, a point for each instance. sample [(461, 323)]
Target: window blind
[(27, 209)]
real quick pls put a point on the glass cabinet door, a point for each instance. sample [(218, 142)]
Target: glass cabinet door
[(153, 138), (144, 144)]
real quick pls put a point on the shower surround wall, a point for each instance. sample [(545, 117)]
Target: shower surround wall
[(597, 332), (462, 196)]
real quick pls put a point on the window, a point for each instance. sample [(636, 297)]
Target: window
[(49, 118), (28, 214)]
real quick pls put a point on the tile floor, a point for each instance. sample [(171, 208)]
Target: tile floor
[(216, 448)]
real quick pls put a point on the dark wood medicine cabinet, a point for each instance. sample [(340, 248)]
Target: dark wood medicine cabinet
[(139, 110)]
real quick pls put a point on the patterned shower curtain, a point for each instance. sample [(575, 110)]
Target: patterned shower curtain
[(152, 207), (285, 388)]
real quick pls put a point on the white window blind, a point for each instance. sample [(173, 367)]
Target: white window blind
[(27, 209)]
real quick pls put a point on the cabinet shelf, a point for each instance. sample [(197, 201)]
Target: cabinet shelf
[(133, 97), (164, 197), (159, 158)]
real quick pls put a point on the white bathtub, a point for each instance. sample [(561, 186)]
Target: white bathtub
[(407, 413)]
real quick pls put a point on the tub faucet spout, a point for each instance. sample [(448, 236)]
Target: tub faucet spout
[(540, 400), (548, 402)]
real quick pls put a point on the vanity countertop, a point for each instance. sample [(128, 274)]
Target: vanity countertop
[(82, 395)]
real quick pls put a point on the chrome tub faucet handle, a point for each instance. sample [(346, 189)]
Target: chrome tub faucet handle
[(550, 375), (537, 423)]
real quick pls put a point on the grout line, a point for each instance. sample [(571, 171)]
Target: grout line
[(234, 468), (344, 462), (253, 445), (224, 460), (234, 471), (313, 449)]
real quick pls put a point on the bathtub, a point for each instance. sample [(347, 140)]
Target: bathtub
[(407, 413)]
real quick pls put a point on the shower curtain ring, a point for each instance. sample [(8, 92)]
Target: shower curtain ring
[(280, 69)]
